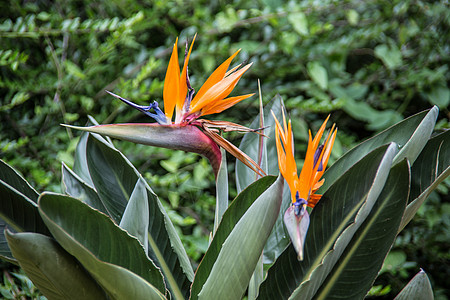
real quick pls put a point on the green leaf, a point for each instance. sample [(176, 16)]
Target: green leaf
[(230, 218), (390, 55), (278, 239), (76, 187), (250, 145), (419, 288), (411, 134), (299, 22), (14, 179), (80, 166), (135, 218), (5, 252), (19, 212), (242, 248), (430, 169), (439, 95), (333, 222), (357, 268), (56, 273), (318, 74), (114, 258), (221, 191), (114, 178)]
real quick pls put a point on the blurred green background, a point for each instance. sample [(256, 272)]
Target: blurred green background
[(368, 63)]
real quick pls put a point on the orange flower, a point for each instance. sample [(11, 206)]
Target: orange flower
[(304, 187), (178, 95)]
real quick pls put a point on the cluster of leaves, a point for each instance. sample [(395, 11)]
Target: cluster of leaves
[(370, 63)]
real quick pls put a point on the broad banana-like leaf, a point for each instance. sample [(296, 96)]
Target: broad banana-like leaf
[(75, 186), (16, 192), (135, 218), (240, 252), (357, 268), (80, 163), (5, 251), (419, 288), (431, 168), (410, 134), (231, 216), (115, 178), (115, 259), (14, 179), (19, 213), (178, 137), (250, 145), (56, 273), (333, 222), (221, 191), (278, 239)]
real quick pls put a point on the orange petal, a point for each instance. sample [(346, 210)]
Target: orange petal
[(214, 78), (313, 199), (182, 78), (220, 90), (222, 105), (171, 83)]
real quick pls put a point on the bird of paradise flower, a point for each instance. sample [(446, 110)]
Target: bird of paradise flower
[(303, 188), (187, 132)]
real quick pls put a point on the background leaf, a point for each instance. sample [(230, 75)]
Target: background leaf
[(318, 73), (54, 271)]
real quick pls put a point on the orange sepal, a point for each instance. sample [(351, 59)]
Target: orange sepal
[(172, 83), (214, 78)]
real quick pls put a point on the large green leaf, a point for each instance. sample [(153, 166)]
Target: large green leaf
[(278, 239), (5, 251), (357, 268), (221, 191), (19, 211), (135, 218), (14, 179), (114, 178), (411, 134), (76, 187), (240, 252), (80, 166), (431, 168), (230, 218), (333, 222), (56, 273), (419, 288), (114, 258), (250, 145)]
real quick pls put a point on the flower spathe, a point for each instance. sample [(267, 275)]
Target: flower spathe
[(303, 188)]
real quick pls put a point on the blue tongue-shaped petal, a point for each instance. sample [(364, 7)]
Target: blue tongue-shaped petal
[(297, 227), (158, 116)]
